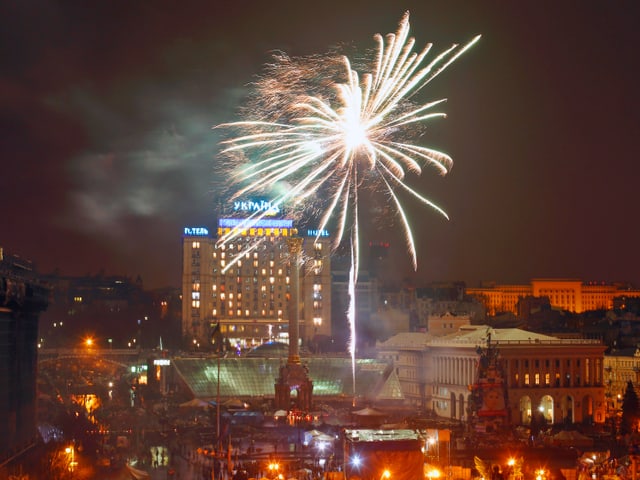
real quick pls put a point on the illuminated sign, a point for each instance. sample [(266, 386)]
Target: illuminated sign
[(261, 223), (253, 206), (161, 361), (196, 231), (317, 233)]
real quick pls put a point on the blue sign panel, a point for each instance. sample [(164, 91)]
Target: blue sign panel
[(196, 231), (317, 233), (261, 223)]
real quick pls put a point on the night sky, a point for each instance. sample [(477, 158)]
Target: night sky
[(108, 152)]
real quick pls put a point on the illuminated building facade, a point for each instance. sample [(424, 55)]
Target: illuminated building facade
[(560, 379), (567, 294), (242, 287), (620, 367)]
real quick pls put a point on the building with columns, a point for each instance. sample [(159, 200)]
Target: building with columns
[(572, 295), (559, 379), (237, 281)]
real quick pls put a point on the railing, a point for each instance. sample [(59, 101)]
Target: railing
[(50, 353), (532, 341)]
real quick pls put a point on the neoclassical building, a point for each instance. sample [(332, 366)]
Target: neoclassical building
[(568, 294), (560, 379)]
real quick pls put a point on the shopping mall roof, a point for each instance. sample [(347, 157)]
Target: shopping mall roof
[(255, 377)]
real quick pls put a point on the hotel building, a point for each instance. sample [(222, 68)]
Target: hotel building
[(567, 294), (238, 281)]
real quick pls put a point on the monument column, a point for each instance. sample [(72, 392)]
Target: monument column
[(294, 375), (295, 246)]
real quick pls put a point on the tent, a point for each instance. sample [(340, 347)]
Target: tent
[(195, 403), (369, 417), (235, 404), (323, 439), (369, 412), (571, 438)]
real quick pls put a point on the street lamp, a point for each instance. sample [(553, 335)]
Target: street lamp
[(71, 453), (433, 473), (273, 469)]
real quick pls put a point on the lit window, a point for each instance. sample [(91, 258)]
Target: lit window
[(526, 379), (195, 303), (537, 379), (195, 245)]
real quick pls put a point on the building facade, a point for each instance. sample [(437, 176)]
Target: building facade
[(23, 297), (561, 380), (238, 282), (567, 294), (620, 367)]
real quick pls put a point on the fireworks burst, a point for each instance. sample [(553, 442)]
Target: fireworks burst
[(319, 132)]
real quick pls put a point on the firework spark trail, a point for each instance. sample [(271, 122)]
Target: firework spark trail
[(326, 131)]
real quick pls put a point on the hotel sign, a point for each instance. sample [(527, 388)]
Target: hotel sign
[(317, 233), (253, 206), (196, 231)]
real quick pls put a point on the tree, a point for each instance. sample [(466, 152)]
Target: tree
[(630, 410)]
